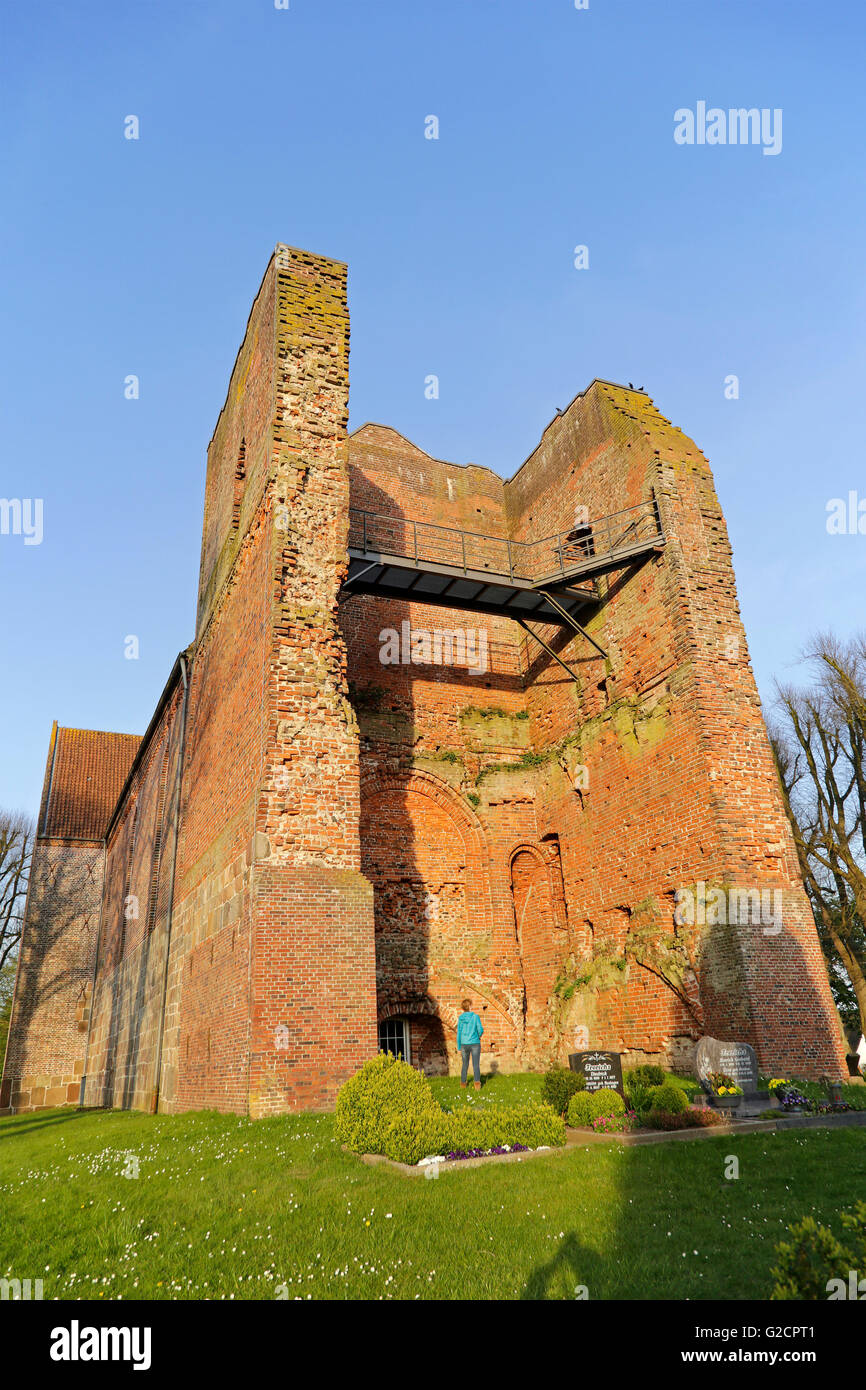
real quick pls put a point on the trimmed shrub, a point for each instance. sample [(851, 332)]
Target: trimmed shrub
[(559, 1085), (382, 1093), (586, 1106), (814, 1257), (409, 1138), (580, 1110), (669, 1099), (647, 1074), (388, 1108), (532, 1124), (607, 1102)]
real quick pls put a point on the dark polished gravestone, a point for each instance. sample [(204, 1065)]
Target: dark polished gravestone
[(599, 1069), (738, 1061)]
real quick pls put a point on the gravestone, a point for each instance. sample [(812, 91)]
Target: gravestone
[(738, 1061), (599, 1070)]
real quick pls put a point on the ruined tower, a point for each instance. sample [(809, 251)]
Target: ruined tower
[(437, 734)]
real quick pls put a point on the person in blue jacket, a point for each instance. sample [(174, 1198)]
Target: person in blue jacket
[(469, 1030)]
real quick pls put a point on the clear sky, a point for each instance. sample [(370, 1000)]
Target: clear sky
[(307, 125)]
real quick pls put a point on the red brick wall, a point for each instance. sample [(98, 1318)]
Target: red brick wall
[(633, 772), (123, 1040), (313, 966), (680, 786), (48, 1029)]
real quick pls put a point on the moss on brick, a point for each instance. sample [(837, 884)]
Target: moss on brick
[(493, 727)]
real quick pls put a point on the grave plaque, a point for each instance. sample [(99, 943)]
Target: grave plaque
[(599, 1069), (733, 1059)]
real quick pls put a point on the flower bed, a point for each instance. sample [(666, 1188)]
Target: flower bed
[(616, 1124), (487, 1153), (793, 1101)]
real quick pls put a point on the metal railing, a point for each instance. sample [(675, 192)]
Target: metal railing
[(592, 546), (530, 562)]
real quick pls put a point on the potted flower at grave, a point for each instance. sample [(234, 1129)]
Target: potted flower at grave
[(790, 1097), (724, 1093)]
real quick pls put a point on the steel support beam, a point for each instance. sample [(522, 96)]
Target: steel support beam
[(550, 652), (572, 622)]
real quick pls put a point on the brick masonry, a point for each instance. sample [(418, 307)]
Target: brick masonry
[(310, 842)]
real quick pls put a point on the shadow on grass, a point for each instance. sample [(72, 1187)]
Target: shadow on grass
[(13, 1126), (574, 1270)]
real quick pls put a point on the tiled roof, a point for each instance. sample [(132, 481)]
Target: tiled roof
[(83, 778)]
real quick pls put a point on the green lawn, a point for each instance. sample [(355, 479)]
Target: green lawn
[(229, 1208)]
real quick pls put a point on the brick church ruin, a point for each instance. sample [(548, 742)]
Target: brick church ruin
[(437, 735)]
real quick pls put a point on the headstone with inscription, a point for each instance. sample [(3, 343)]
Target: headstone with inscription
[(733, 1059), (738, 1061), (599, 1070)]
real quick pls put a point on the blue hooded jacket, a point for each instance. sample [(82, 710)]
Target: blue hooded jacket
[(469, 1030)]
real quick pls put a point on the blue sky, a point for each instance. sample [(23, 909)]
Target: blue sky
[(306, 125)]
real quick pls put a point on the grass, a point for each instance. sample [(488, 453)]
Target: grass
[(499, 1089), (224, 1207)]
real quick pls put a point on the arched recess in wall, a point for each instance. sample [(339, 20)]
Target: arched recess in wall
[(539, 925), (415, 1029), (425, 853)]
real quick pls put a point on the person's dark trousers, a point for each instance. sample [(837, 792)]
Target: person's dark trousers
[(475, 1050)]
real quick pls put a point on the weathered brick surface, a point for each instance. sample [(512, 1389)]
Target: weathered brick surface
[(45, 1055), (353, 840), (677, 784), (124, 1036), (48, 1031)]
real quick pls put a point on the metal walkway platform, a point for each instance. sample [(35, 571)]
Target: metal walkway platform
[(551, 580)]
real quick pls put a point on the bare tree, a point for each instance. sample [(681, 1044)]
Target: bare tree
[(16, 852), (819, 740)]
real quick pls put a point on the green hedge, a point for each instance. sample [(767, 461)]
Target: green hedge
[(383, 1092), (586, 1106), (411, 1138), (670, 1100), (647, 1074), (388, 1108), (559, 1085)]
